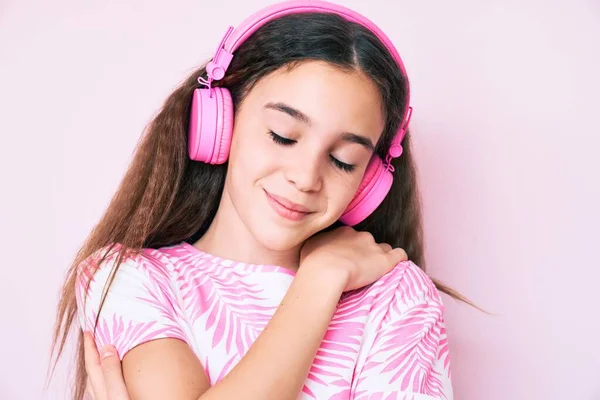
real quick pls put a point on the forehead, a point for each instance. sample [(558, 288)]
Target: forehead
[(334, 99)]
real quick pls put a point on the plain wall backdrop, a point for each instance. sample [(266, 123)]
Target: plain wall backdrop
[(507, 139)]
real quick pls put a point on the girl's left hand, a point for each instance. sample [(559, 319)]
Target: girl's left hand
[(105, 376)]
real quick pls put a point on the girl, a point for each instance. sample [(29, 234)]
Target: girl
[(225, 267)]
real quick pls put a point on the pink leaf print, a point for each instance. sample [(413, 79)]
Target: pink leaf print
[(139, 306), (382, 339), (126, 335), (405, 353), (341, 343), (229, 308)]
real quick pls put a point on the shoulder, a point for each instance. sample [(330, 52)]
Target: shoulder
[(116, 263), (151, 261), (127, 297), (405, 287), (407, 336), (413, 283)]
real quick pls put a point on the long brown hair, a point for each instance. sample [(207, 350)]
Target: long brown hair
[(165, 198)]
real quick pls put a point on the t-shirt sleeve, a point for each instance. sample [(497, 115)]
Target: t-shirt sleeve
[(409, 356), (140, 303)]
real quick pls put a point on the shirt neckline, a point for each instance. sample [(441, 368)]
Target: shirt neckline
[(246, 267)]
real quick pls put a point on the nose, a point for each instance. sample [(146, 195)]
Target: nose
[(305, 173)]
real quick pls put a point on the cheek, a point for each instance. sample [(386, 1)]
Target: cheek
[(251, 156), (341, 192)]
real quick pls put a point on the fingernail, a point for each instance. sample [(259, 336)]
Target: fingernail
[(107, 351)]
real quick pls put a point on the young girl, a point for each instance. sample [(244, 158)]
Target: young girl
[(225, 267)]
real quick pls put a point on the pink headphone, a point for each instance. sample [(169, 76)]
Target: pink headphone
[(211, 119)]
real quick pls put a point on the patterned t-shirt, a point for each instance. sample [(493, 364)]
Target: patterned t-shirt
[(385, 341)]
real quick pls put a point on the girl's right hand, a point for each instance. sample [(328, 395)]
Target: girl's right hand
[(354, 254), (104, 372)]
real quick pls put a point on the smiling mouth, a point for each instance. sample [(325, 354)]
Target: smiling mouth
[(287, 209)]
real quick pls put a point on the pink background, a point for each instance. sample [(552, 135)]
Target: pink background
[(507, 139)]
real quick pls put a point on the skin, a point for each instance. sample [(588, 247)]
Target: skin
[(334, 106)]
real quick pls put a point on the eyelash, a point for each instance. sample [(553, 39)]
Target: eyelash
[(280, 139), (288, 142)]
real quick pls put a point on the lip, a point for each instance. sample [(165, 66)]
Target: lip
[(286, 208)]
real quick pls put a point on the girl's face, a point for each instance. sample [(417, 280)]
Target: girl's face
[(302, 140)]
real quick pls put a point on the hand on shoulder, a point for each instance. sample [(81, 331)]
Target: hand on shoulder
[(354, 254)]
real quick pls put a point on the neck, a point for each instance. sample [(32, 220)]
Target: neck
[(228, 237)]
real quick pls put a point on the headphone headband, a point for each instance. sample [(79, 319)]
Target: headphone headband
[(232, 39)]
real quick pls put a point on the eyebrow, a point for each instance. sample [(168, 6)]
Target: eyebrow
[(301, 117)]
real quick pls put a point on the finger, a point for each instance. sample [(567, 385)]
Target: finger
[(113, 375), (397, 255), (93, 368), (385, 247)]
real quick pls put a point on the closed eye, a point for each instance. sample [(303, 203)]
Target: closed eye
[(342, 165), (288, 142), (280, 139)]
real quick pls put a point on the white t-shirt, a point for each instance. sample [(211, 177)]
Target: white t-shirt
[(385, 341)]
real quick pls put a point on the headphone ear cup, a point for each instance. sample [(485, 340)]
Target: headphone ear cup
[(373, 188), (211, 125), (224, 127)]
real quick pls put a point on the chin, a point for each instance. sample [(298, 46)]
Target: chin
[(279, 239), (278, 234)]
